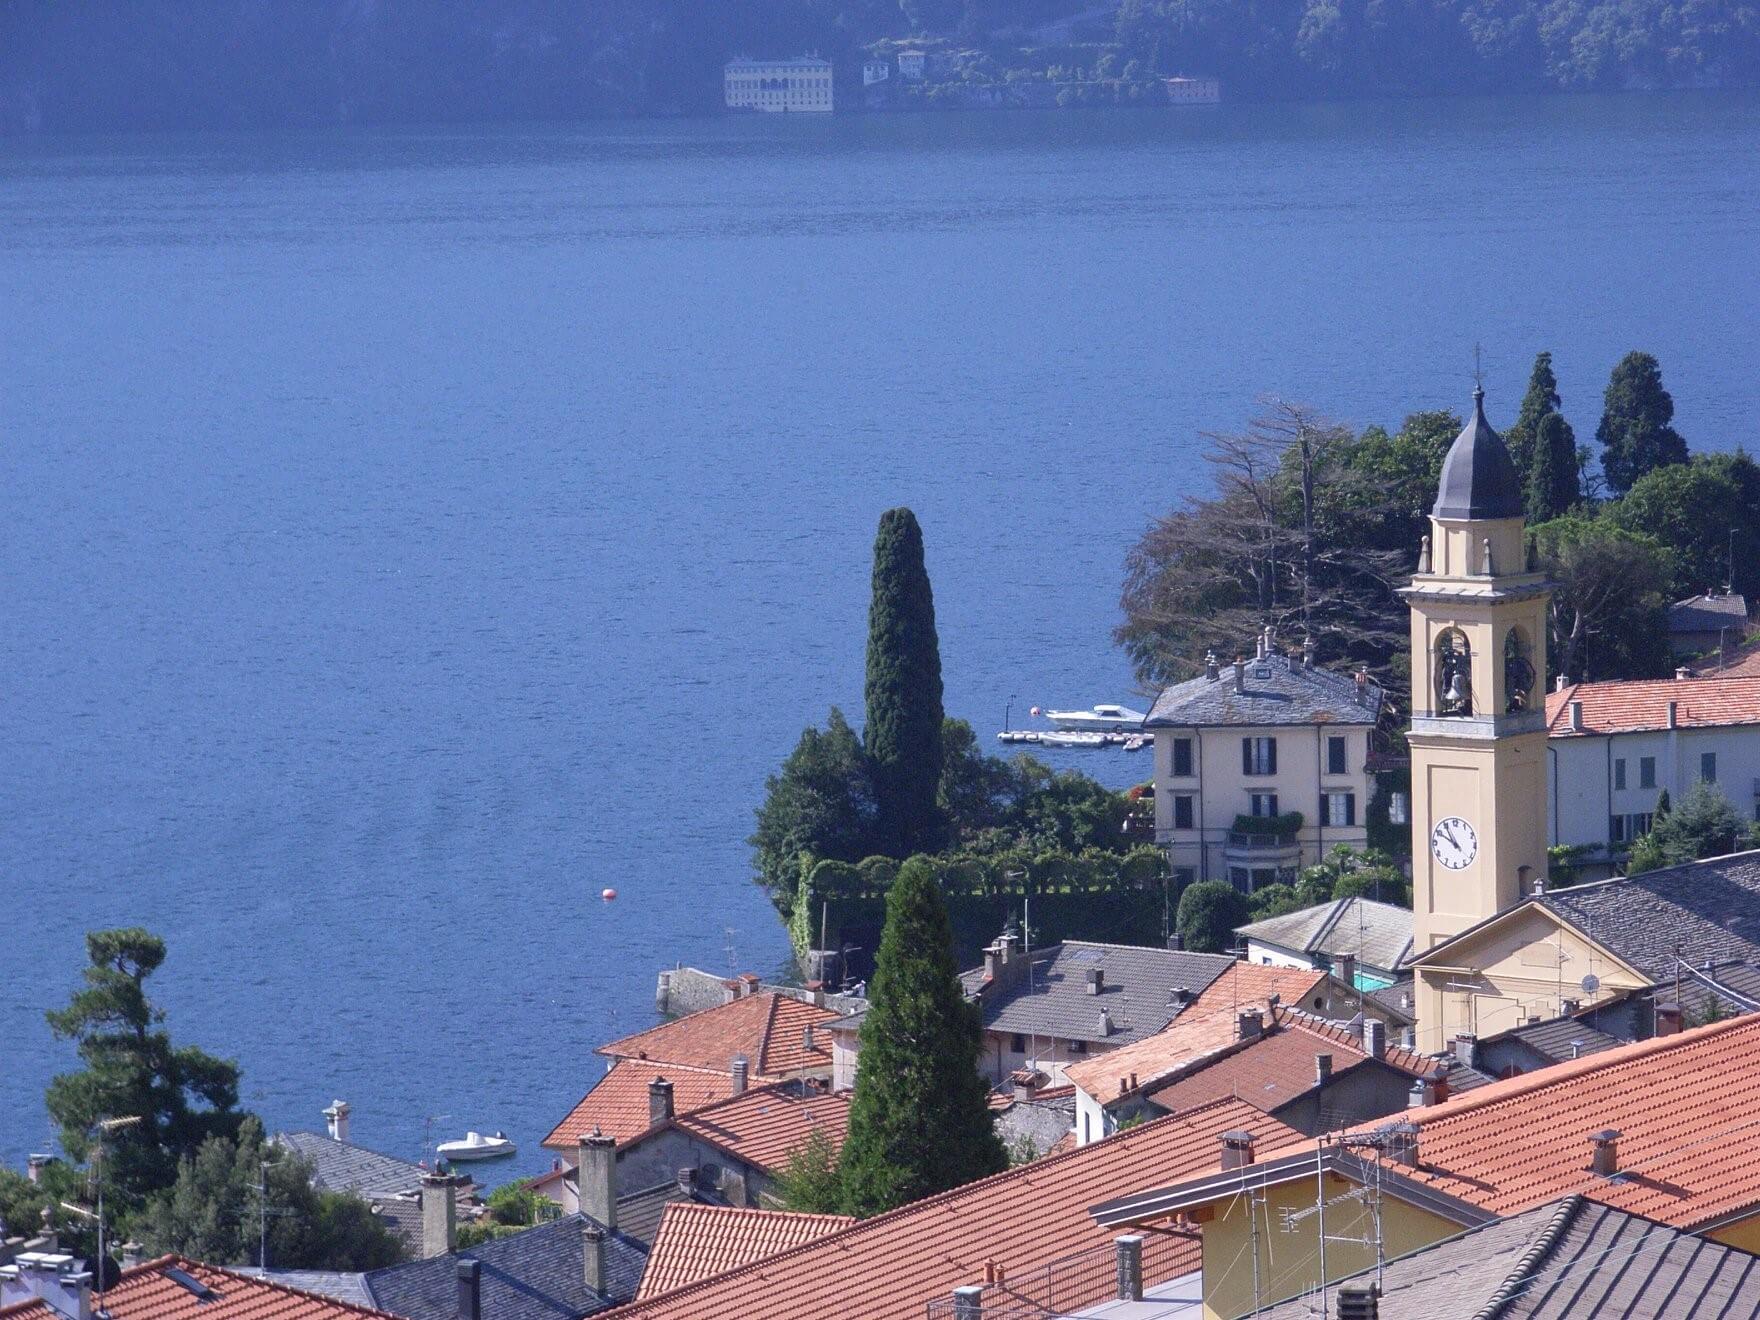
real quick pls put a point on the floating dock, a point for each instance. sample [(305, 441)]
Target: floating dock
[(1130, 742)]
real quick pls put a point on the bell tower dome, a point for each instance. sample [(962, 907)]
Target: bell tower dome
[(1478, 736)]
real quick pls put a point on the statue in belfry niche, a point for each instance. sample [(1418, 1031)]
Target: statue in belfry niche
[(1518, 673), (1454, 674)]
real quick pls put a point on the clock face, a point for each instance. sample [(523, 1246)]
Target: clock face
[(1454, 843)]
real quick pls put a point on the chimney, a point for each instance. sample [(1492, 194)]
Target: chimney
[(593, 1257), (1465, 1047), (1322, 1069), (34, 1166), (52, 1278), (741, 1071), (1250, 1025), (1674, 714), (1105, 1023), (1240, 673), (1027, 1082), (659, 1101), (133, 1253), (687, 1182), (1347, 969), (1681, 675), (1308, 649), (807, 1042), (596, 1177), (1374, 1038), (1605, 1162), (968, 1302), (1237, 1150), (1668, 1018), (1096, 980), (439, 1196), (994, 957), (336, 1120), (1129, 1248), (1179, 996), (470, 1290), (1362, 681), (1402, 1144), (1576, 717), (1572, 1005), (1212, 668), (1359, 1301)]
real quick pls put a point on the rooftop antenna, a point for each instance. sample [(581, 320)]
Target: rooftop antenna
[(263, 1215), (428, 1138), (104, 1127)]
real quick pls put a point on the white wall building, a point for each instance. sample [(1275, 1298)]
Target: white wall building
[(1261, 738), (1613, 748), (779, 86)]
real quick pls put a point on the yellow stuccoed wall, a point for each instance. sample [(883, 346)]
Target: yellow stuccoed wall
[(1745, 1236), (1289, 1262)]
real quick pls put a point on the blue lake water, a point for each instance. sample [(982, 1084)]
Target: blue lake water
[(409, 533)]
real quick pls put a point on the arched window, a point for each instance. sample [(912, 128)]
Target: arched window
[(1518, 671), (1454, 673)]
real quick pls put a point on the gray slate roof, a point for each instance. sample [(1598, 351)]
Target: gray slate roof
[(1056, 1003), (344, 1287), (534, 1275), (1573, 1259), (638, 1213), (1707, 613), (1555, 1038), (338, 1166), (1274, 691), (1377, 934), (1709, 910), (1732, 987), (1479, 478)]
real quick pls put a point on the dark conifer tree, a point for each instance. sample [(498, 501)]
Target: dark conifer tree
[(1552, 481), (1635, 433), (1540, 400), (919, 1122), (902, 736)]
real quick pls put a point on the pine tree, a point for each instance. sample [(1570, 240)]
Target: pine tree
[(1552, 480), (903, 732), (1635, 434), (919, 1122), (1540, 401)]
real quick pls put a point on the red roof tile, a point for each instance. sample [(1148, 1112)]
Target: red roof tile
[(768, 1029), (1208, 1024), (889, 1267), (768, 1124), (1700, 703), (147, 1292), (618, 1104), (700, 1241), (1687, 1108)]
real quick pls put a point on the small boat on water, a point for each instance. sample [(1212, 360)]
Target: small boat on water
[(1101, 718), (476, 1146), (1073, 740)]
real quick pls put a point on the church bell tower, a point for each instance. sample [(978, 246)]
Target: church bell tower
[(1478, 736)]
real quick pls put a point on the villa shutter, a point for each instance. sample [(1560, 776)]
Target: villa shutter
[(1246, 756), (1271, 756)]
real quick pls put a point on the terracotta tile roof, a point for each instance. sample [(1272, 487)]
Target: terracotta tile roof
[(889, 1267), (700, 1241), (618, 1104), (1279, 1067), (768, 1124), (768, 1029), (148, 1292), (1700, 703), (1208, 1024), (1687, 1108), (1734, 662)]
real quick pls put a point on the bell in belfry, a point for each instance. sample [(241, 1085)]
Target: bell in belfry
[(1456, 695)]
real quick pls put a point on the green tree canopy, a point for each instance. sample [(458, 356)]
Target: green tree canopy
[(1635, 433), (919, 1122), (1703, 825), (810, 1183), (821, 805), (978, 792), (1608, 617), (212, 1211), (1208, 913), (902, 733), (1540, 402), (181, 1095), (1553, 488), (1701, 510)]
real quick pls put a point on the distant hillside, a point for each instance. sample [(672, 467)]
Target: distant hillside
[(73, 65)]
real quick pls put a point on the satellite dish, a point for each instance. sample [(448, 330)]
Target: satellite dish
[(1591, 983)]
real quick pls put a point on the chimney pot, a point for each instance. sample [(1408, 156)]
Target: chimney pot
[(1668, 1018), (593, 1257), (1359, 1301), (1402, 1144), (741, 1074), (1105, 1022), (133, 1253), (1681, 675), (1237, 1149), (1465, 1046), (1347, 969), (659, 1101), (1096, 980), (439, 1200), (1250, 1025), (1322, 1069), (470, 1290), (1605, 1162), (1129, 1248), (968, 1302), (1212, 667), (687, 1181), (1374, 1038), (1240, 673), (596, 1178)]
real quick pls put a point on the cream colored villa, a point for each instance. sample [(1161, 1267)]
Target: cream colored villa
[(778, 86)]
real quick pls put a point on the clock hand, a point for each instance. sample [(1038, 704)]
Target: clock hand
[(1447, 833)]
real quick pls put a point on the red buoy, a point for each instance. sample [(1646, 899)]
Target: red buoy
[(607, 894)]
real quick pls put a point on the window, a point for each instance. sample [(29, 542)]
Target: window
[(1338, 808), (1017, 1043), (1619, 773), (1184, 875), (1077, 1046), (1258, 756), (1239, 878), (1628, 827), (1183, 816), (1646, 772), (1182, 758), (1263, 804), (1335, 756), (1708, 767), (1264, 875)]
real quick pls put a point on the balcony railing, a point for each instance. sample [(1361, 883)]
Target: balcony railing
[(1243, 841)]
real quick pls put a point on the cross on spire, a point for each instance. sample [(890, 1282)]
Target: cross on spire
[(1478, 370)]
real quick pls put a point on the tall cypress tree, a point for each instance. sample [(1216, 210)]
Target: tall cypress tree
[(1540, 401), (1635, 431), (902, 735), (1552, 481), (919, 1122)]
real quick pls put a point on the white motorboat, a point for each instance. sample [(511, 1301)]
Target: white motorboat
[(1071, 739), (476, 1146), (1101, 718)]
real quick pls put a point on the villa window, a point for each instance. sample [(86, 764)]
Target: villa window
[(1708, 767), (1338, 808), (1182, 758), (1262, 804), (1258, 756), (1078, 1046), (1646, 772), (1619, 773), (1184, 815), (1017, 1043), (1335, 754)]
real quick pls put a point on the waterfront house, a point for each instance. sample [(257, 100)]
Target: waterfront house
[(912, 65), (48, 1286), (1363, 942), (1192, 91), (1613, 748), (802, 85), (1261, 767)]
